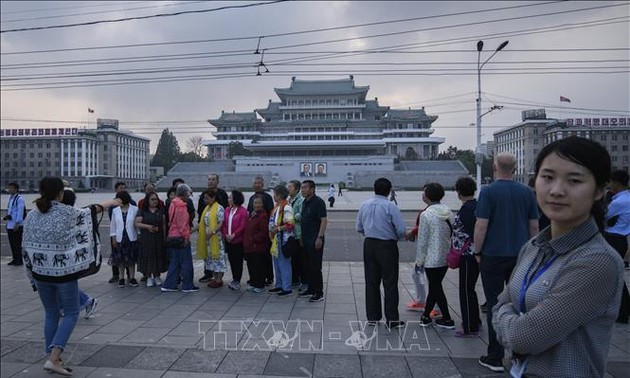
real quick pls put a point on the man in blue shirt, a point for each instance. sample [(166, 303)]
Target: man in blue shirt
[(14, 218), (382, 224), (507, 216), (618, 228)]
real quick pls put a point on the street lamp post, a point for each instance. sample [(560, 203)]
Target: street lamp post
[(478, 155)]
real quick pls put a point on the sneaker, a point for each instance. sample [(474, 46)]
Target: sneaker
[(133, 282), (205, 278), (445, 323), (316, 298), (121, 283), (275, 290), (144, 279), (158, 281), (425, 322), (90, 309), (235, 285), (284, 293), (113, 279), (395, 324), (305, 294), (415, 306), (257, 290), (215, 284), (167, 290), (191, 290), (150, 282), (469, 335), (269, 282), (494, 364)]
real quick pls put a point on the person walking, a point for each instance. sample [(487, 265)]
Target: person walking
[(50, 251), (232, 229), (331, 195), (210, 245), (281, 225), (434, 242), (256, 245), (16, 211), (314, 222), (124, 236), (557, 314), (151, 221), (462, 240), (383, 225), (507, 216), (340, 193)]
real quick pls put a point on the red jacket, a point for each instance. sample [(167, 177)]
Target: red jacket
[(238, 224), (256, 235), (179, 219)]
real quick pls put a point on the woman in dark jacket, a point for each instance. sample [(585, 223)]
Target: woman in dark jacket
[(256, 245)]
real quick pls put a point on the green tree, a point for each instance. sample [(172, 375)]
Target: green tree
[(467, 157), (191, 157), (236, 148), (167, 152)]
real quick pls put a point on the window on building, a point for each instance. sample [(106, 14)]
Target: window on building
[(613, 148), (614, 137), (32, 154), (604, 137), (624, 148)]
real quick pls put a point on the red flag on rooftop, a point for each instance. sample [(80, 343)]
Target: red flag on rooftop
[(564, 99)]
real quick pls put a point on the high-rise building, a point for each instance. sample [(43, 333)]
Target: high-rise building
[(85, 157), (528, 137)]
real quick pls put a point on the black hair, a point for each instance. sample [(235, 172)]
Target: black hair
[(465, 186), (620, 177), (178, 180), (119, 183), (434, 192), (589, 154), (382, 186), (282, 191), (49, 189), (237, 197), (210, 193), (296, 184), (124, 197), (171, 190), (310, 183), (15, 185), (147, 200), (69, 197)]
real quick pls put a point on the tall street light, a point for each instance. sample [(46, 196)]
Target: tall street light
[(478, 154)]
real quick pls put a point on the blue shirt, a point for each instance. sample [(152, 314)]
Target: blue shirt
[(508, 206), (15, 209), (378, 218), (620, 206)]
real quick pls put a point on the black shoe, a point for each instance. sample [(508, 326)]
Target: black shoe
[(445, 323), (11, 263), (494, 364), (316, 298), (284, 293), (425, 321), (395, 324), (133, 282), (114, 279), (205, 278), (305, 294), (275, 290), (269, 282), (484, 307), (121, 283)]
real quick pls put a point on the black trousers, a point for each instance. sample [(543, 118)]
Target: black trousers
[(620, 244), (299, 265), (256, 268), (314, 277), (235, 255), (15, 241), (380, 264), (268, 264), (468, 301), (436, 292)]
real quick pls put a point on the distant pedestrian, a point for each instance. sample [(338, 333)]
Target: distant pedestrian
[(314, 223), (331, 195), (383, 225), (340, 194), (256, 245), (507, 216), (16, 211), (557, 313)]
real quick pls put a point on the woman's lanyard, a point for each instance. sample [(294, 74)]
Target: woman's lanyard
[(526, 284)]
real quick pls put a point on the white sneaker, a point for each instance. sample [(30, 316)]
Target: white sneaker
[(150, 282), (158, 281), (90, 309)]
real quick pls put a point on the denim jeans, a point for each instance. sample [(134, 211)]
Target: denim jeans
[(180, 263), (283, 272), (53, 295), (83, 299)]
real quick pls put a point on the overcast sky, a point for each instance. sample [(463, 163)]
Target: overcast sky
[(412, 54)]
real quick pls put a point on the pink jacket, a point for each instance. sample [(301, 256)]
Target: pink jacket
[(238, 224), (179, 219)]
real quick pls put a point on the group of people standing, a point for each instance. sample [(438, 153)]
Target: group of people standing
[(552, 294)]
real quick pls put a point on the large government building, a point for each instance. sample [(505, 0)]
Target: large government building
[(85, 157), (328, 127), (527, 138)]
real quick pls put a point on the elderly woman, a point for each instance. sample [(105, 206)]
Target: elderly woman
[(256, 245), (281, 225), (210, 246), (151, 222), (233, 229), (56, 259)]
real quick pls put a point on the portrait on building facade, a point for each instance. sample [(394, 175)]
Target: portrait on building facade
[(306, 169), (320, 169)]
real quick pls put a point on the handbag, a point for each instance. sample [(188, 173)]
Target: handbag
[(454, 255), (290, 248), (176, 242)]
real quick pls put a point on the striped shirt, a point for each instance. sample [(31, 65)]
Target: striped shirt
[(570, 309)]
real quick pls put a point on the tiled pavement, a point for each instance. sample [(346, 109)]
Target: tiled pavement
[(141, 332)]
